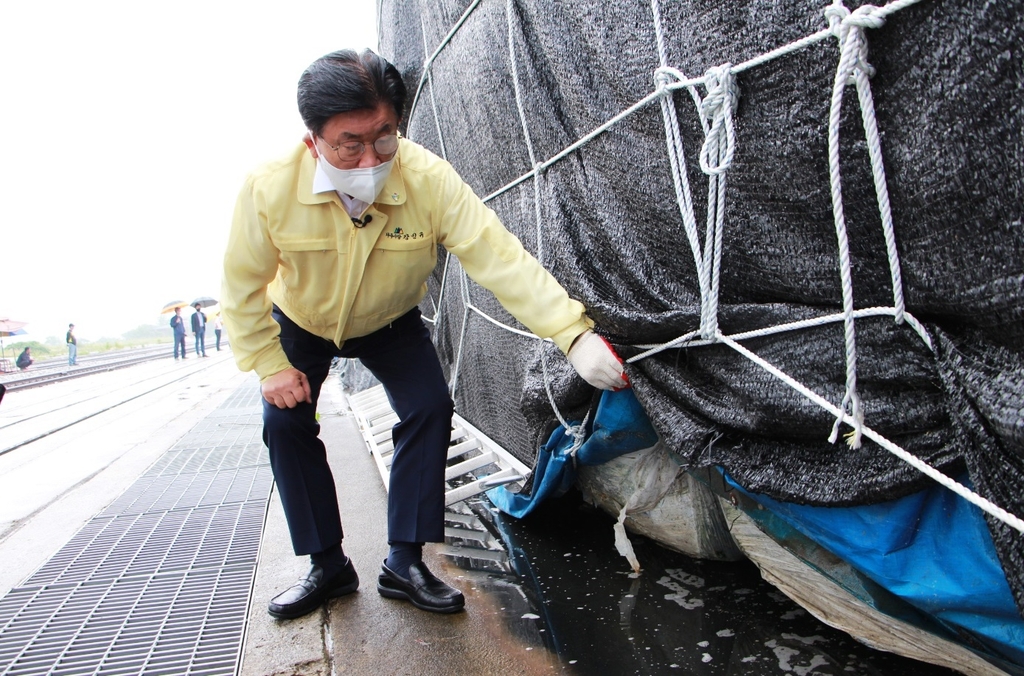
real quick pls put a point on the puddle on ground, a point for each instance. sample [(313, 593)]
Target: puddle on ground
[(561, 586)]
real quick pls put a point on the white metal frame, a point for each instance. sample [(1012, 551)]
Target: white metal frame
[(475, 454)]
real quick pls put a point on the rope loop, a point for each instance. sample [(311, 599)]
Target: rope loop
[(865, 16), (718, 106), (848, 27), (836, 14), (579, 435), (665, 76)]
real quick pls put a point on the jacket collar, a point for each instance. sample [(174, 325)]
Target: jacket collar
[(315, 188)]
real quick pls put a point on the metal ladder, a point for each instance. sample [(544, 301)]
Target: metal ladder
[(480, 464)]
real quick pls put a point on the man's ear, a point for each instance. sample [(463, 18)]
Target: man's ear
[(308, 140)]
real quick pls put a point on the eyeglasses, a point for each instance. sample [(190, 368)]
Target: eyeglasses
[(349, 152)]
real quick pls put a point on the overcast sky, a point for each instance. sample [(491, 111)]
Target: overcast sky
[(126, 130)]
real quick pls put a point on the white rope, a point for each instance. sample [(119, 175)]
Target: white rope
[(867, 106), (514, 67), (684, 198), (433, 99), (659, 34), (578, 432), (716, 158), (852, 55), (718, 106), (912, 460), (500, 325), (683, 82), (430, 61), (824, 34), (570, 149), (842, 22), (691, 339), (427, 79), (438, 317), (854, 68), (452, 386)]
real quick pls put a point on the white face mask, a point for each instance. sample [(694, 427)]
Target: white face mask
[(363, 183)]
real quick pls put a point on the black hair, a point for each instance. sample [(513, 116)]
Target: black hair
[(345, 80)]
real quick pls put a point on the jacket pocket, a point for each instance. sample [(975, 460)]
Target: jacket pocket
[(306, 274), (395, 276), (297, 245)]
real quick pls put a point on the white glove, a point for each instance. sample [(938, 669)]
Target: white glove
[(596, 362)]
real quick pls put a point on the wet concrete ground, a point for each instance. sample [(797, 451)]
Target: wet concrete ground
[(565, 586)]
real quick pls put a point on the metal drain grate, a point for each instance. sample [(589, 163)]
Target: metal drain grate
[(177, 623), (209, 459), (227, 428), (245, 398), (159, 582), (164, 541), (166, 492)]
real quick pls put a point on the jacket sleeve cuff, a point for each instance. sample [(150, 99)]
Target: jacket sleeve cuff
[(564, 338), (271, 367)]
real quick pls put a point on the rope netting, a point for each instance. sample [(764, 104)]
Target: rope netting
[(716, 110)]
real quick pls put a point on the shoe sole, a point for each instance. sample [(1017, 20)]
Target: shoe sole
[(393, 593), (344, 591)]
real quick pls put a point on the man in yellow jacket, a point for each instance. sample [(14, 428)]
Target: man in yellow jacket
[(329, 254)]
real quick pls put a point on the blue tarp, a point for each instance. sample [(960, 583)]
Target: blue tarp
[(932, 549), (620, 426)]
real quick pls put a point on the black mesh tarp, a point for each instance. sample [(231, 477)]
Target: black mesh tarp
[(950, 107)]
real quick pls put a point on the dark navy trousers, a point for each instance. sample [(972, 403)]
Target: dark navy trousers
[(402, 357)]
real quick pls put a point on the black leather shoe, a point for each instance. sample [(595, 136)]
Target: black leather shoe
[(311, 591), (421, 589)]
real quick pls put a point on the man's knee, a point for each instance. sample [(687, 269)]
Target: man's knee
[(289, 421), (436, 407)]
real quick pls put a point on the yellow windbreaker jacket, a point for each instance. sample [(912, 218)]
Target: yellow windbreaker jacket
[(301, 251)]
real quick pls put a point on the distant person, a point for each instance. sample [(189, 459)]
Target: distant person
[(72, 346), (178, 324), (218, 326), (199, 330), (24, 359)]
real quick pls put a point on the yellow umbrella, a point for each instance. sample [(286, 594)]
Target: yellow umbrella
[(172, 306)]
